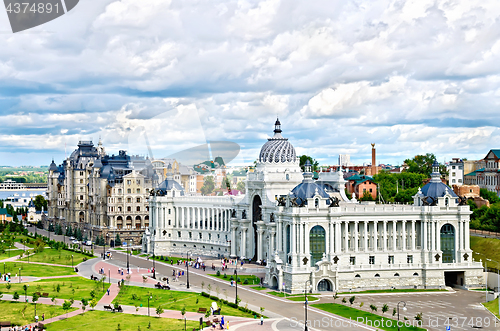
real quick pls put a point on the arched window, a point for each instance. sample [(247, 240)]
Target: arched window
[(396, 275), (447, 243), (415, 274), (377, 275), (317, 243), (357, 276)]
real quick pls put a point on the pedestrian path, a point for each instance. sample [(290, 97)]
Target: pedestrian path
[(113, 292)]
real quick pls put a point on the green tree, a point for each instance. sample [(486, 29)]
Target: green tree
[(385, 308), (490, 196), (35, 297), (422, 164), (66, 306), (351, 299), (93, 303), (373, 307), (240, 186), (208, 185), (15, 296), (40, 203), (367, 196), (159, 310), (314, 163), (118, 241)]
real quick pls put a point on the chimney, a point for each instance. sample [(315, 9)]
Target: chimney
[(374, 161)]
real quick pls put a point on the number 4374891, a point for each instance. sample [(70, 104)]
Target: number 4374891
[(25, 7)]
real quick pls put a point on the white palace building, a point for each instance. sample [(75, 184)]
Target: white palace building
[(308, 230)]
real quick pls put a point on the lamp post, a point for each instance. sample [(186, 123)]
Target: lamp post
[(66, 229), (72, 261), (154, 268), (236, 279), (26, 292), (49, 230), (19, 275), (104, 250), (305, 302), (128, 263), (404, 309), (187, 268), (149, 297), (109, 277)]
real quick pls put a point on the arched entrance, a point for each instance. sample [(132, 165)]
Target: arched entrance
[(447, 241), (256, 217), (82, 217), (274, 282), (317, 243), (138, 222), (325, 285)]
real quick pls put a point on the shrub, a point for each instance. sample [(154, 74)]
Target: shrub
[(218, 273), (225, 276), (245, 281), (344, 300), (231, 278)]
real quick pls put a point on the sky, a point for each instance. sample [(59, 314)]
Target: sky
[(413, 77)]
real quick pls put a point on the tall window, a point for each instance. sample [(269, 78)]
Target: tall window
[(317, 243), (371, 260)]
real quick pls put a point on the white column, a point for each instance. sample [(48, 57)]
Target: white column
[(394, 242), (403, 235), (356, 236), (346, 238), (182, 217), (301, 238), (413, 235), (424, 236), (259, 245), (306, 238), (375, 236), (385, 235), (466, 235), (279, 243), (330, 241), (233, 241), (338, 238), (243, 241), (432, 235), (293, 247), (438, 236), (462, 234), (365, 236)]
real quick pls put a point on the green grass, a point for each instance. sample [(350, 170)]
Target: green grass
[(486, 248), (173, 300), (13, 312), (21, 237), (258, 288), (492, 306), (370, 319), (31, 269), (136, 252), (175, 259), (82, 287), (286, 295), (107, 321), (8, 254), (301, 298), (252, 279), (119, 249), (57, 257), (398, 290)]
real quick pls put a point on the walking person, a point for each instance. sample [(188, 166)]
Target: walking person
[(261, 320)]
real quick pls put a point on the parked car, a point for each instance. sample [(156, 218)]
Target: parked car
[(88, 243), (72, 238)]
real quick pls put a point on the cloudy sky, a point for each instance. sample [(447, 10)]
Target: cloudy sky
[(411, 76)]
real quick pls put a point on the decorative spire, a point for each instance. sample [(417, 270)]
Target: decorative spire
[(277, 126), (435, 175)]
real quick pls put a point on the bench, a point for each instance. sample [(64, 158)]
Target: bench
[(108, 307), (41, 326), (118, 309), (202, 310), (45, 295), (5, 323)]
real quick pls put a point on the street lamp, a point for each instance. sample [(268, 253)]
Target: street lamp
[(236, 273), (71, 261), (128, 263), (305, 302), (154, 269), (404, 309), (104, 250), (19, 275), (149, 297), (49, 230), (26, 292), (187, 268), (109, 277), (66, 229)]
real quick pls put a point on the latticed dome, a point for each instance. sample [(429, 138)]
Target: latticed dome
[(277, 149)]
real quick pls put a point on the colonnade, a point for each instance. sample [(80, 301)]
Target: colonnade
[(193, 218)]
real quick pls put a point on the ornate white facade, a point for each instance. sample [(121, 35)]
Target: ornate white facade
[(308, 230)]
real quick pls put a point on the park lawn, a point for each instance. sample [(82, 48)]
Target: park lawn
[(492, 306), (301, 298), (258, 288), (13, 312), (58, 257), (37, 270), (397, 290), (82, 287), (362, 316), (486, 248), (11, 253), (286, 295), (252, 279), (107, 321), (136, 252), (21, 237), (167, 259), (172, 300)]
